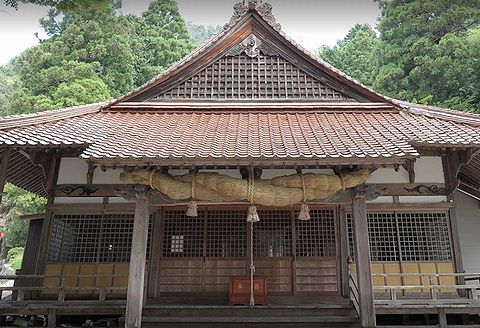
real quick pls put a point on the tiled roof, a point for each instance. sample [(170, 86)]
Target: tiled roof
[(311, 133)]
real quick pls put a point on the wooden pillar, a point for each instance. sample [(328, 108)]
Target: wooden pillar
[(362, 259), (344, 253), (155, 253), (451, 166), (50, 184), (3, 169), (136, 274)]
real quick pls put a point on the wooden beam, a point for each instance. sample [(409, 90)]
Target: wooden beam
[(373, 190), (362, 259), (452, 163), (409, 166), (136, 275), (470, 190), (52, 178), (7, 153)]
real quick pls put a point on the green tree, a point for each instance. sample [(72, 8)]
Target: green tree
[(161, 39), (430, 52), (17, 202), (199, 34), (356, 54), (89, 58)]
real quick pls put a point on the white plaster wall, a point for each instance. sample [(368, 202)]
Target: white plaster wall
[(429, 169), (119, 200), (109, 176), (72, 170), (78, 200), (422, 199), (389, 175), (468, 219), (381, 200), (91, 200)]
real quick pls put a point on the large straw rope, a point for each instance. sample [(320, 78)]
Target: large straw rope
[(280, 191)]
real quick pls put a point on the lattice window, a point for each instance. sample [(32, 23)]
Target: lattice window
[(183, 236), (382, 233), (273, 234), (117, 238), (87, 238), (74, 238), (424, 237), (261, 77), (317, 236), (226, 234)]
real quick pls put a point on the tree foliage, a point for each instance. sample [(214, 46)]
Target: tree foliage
[(355, 55), (93, 55), (427, 52), (17, 202), (201, 33), (162, 39)]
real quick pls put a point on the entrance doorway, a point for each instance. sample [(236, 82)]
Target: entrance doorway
[(199, 255)]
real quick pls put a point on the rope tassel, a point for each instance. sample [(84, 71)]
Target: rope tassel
[(304, 214), (192, 206), (192, 209), (252, 216)]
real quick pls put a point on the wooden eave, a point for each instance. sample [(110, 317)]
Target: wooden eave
[(261, 162)]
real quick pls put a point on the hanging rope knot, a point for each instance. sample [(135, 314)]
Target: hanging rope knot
[(251, 185), (192, 210), (150, 180), (304, 214), (252, 215), (342, 180)]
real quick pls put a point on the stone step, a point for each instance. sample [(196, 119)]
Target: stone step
[(241, 322), (331, 311)]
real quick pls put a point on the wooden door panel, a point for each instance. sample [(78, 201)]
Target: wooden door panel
[(296, 258), (316, 275)]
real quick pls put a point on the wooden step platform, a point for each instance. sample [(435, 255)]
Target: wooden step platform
[(311, 315)]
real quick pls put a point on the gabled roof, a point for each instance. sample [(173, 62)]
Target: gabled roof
[(250, 95), (252, 59)]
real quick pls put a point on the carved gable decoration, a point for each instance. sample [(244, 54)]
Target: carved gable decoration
[(253, 70)]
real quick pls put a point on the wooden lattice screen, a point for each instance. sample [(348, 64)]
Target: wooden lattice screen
[(404, 236), (244, 77), (91, 238), (201, 254)]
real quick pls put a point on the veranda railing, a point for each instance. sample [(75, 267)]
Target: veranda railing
[(431, 286), (24, 284)]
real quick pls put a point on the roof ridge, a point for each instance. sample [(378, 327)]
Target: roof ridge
[(13, 121), (446, 114), (251, 106)]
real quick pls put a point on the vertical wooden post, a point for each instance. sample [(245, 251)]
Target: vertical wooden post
[(451, 166), (3, 169), (155, 252), (362, 259), (344, 252), (136, 274), (50, 185), (6, 154)]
